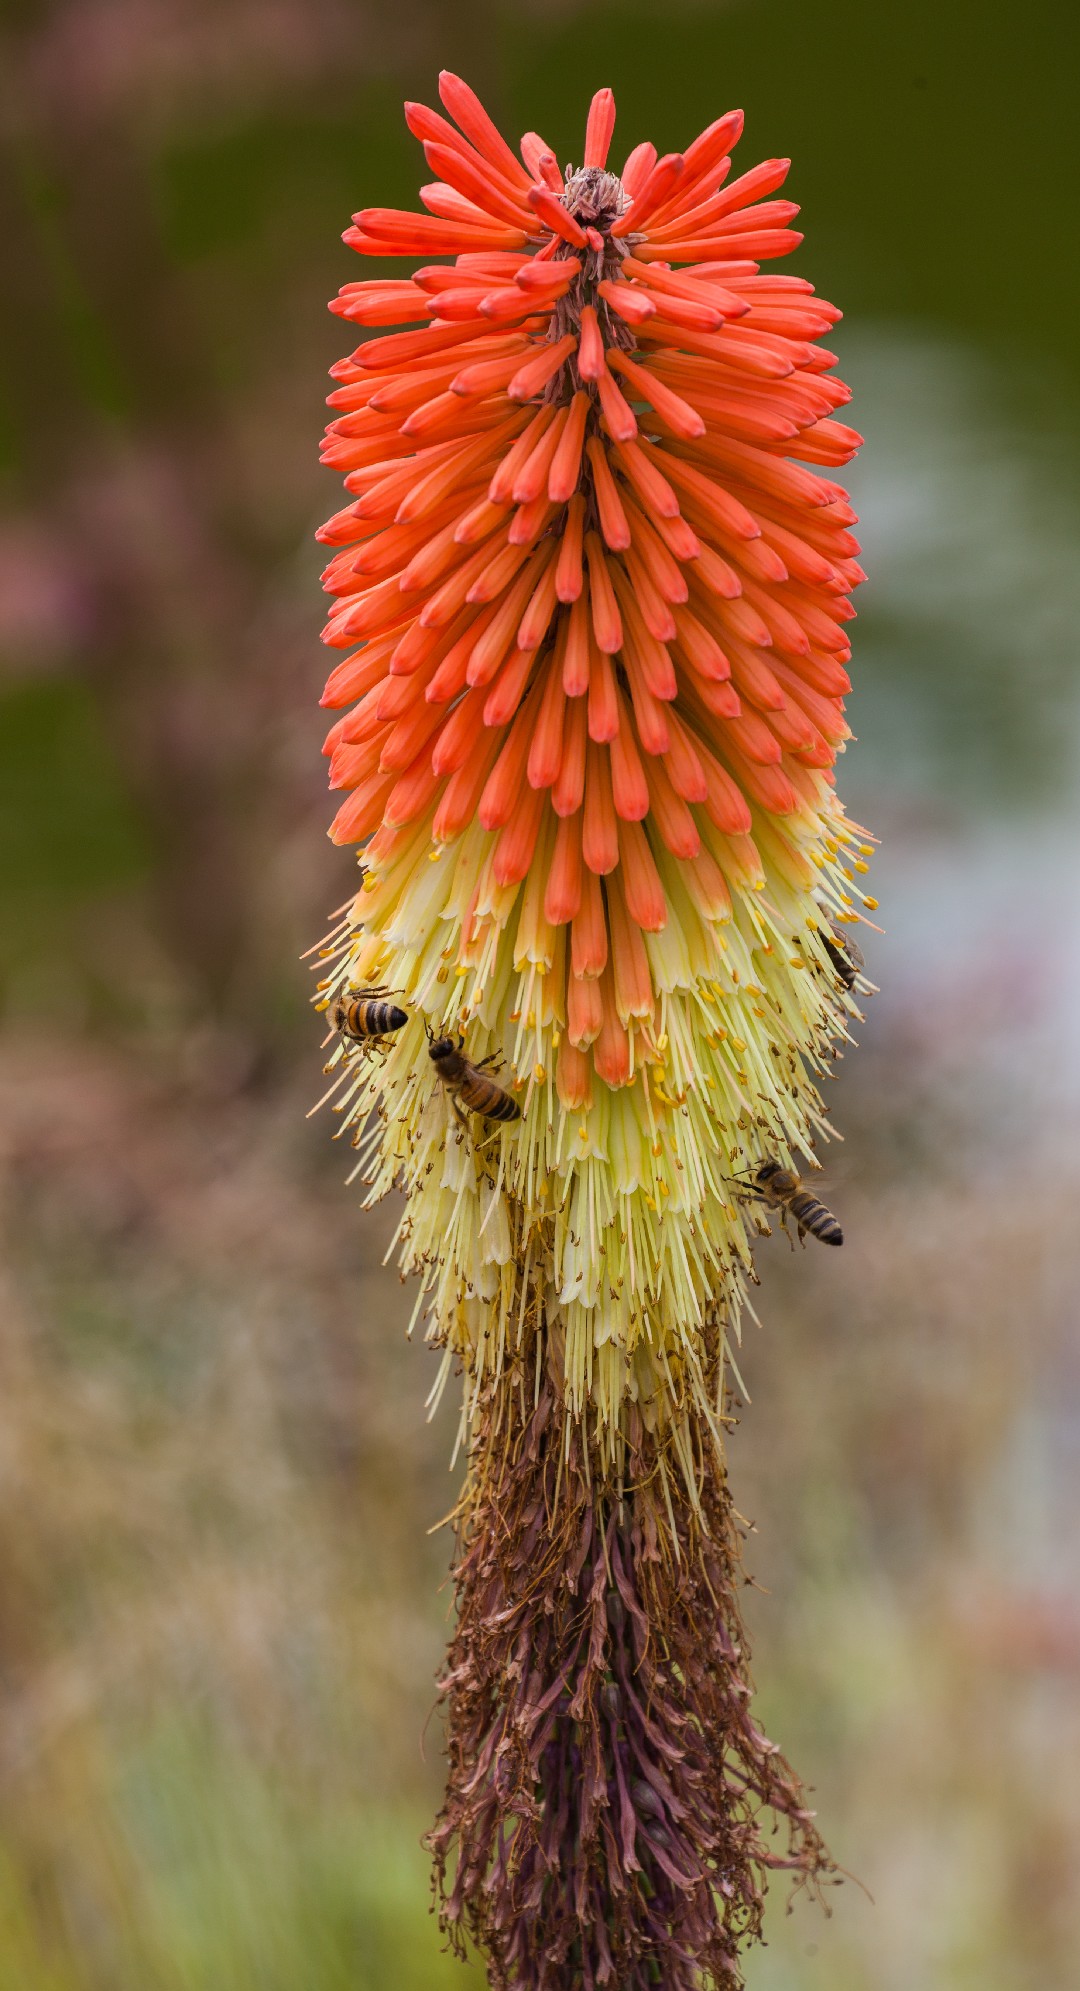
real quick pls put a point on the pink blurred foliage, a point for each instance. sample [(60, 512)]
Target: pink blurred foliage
[(162, 59), (45, 610)]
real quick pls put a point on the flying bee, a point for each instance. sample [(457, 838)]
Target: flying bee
[(366, 1015), (781, 1189), (471, 1087), (845, 954)]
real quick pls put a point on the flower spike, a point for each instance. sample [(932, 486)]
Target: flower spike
[(594, 585)]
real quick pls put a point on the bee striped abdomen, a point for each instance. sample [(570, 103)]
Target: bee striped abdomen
[(366, 1017), (378, 1019), (812, 1216), (493, 1101), (470, 1087)]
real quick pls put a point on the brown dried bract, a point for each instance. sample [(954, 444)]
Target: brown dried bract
[(606, 1808)]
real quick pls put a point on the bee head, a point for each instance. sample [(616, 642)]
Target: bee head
[(440, 1048), (767, 1170)]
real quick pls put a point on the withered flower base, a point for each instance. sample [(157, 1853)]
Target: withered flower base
[(587, 742), (603, 1815)]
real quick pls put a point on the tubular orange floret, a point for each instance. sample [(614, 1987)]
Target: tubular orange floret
[(551, 212), (507, 777), (604, 710), (536, 372), (612, 1054), (599, 128), (591, 352), (631, 978), (629, 787), (516, 846), (638, 167), (568, 789), (599, 826), (534, 623), (589, 938), (619, 417), (566, 462), (530, 520), (642, 885), (545, 753), (613, 521), (584, 1003), (478, 183), (562, 892), (606, 620), (632, 304), (573, 1077), (674, 821), (655, 612), (509, 687), (577, 666), (466, 109), (548, 276), (532, 477), (655, 190), (569, 578)]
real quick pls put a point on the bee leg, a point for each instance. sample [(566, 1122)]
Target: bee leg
[(460, 1114)]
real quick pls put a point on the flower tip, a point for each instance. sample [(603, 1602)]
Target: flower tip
[(573, 1078), (600, 128)]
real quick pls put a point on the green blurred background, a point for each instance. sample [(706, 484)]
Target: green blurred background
[(220, 1605)]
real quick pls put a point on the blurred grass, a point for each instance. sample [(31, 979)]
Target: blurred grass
[(238, 1877), (216, 1876)]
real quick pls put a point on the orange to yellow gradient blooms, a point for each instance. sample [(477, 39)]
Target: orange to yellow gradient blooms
[(593, 619)]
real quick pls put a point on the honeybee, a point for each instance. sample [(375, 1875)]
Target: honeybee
[(845, 954), (471, 1087), (781, 1189), (365, 1015)]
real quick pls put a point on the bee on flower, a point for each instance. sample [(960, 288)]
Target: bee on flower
[(366, 1017)]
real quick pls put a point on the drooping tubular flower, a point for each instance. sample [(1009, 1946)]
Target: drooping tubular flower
[(592, 588)]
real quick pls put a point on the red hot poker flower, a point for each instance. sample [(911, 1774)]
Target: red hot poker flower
[(603, 612)]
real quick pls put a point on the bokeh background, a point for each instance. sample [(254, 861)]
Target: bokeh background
[(220, 1603)]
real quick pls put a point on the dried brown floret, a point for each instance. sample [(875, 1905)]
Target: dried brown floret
[(611, 1811)]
